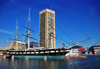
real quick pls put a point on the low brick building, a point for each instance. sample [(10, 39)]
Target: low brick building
[(95, 48), (21, 45)]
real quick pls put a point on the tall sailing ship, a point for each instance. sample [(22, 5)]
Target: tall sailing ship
[(41, 52)]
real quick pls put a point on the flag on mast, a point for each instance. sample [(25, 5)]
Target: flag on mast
[(63, 45), (6, 42)]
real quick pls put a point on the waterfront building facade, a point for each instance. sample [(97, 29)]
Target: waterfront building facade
[(21, 45), (95, 48), (32, 45), (47, 29)]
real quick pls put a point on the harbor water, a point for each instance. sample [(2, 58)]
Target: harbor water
[(91, 62)]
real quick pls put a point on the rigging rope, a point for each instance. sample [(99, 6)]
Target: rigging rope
[(66, 34), (72, 27), (63, 40)]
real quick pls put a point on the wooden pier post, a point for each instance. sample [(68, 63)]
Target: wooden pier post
[(26, 58), (12, 57), (45, 58), (86, 52), (67, 57), (4, 57)]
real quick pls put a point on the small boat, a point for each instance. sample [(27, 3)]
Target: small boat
[(75, 53), (3, 54), (72, 57)]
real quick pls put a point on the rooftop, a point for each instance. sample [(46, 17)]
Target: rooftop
[(97, 44), (5, 48), (47, 10)]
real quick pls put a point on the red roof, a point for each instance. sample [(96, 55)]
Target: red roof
[(2, 50)]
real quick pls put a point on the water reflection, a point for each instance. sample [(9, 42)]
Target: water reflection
[(91, 62)]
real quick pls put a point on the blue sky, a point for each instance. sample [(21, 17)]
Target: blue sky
[(70, 15)]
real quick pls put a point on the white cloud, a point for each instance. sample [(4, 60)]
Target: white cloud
[(4, 31)]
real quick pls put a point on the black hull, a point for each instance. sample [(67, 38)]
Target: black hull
[(47, 52)]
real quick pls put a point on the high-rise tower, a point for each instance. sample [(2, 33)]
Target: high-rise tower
[(47, 29)]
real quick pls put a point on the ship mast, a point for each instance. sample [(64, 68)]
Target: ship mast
[(28, 34), (29, 31), (17, 33)]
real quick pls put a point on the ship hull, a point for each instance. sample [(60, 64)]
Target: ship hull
[(40, 54), (40, 57)]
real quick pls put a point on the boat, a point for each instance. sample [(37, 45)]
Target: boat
[(40, 52), (76, 57), (75, 53), (3, 54)]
